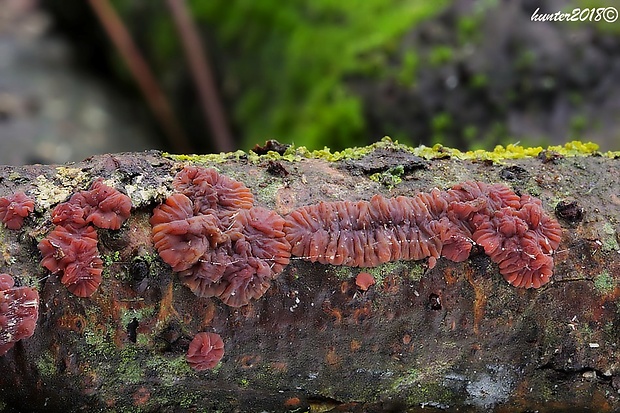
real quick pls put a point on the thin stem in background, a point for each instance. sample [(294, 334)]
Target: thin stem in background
[(155, 98), (203, 75)]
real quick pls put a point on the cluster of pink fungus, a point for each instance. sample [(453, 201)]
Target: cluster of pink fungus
[(70, 248), (19, 310), (14, 208), (205, 351), (220, 245), (513, 230)]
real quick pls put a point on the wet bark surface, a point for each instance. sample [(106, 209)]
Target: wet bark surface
[(455, 337)]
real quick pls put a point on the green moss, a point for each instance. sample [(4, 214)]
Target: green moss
[(342, 272), (129, 369), (416, 271), (604, 283), (206, 159), (389, 268), (109, 259), (389, 178), (128, 314), (46, 366), (168, 369)]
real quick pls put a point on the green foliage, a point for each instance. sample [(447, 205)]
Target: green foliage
[(288, 61), (440, 55)]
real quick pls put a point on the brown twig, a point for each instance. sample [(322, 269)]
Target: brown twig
[(155, 98), (203, 76)]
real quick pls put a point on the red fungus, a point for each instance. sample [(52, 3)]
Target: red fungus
[(514, 231), (69, 215), (521, 242), (14, 208), (205, 351), (369, 233), (239, 260), (364, 280), (71, 247), (75, 254), (180, 237), (19, 310), (219, 245), (211, 191), (103, 205), (256, 254)]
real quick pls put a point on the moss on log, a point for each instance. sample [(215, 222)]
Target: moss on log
[(453, 337)]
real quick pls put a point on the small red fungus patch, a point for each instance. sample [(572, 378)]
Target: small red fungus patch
[(71, 247), (19, 310), (14, 208), (364, 280), (104, 206), (75, 255), (292, 402), (205, 351)]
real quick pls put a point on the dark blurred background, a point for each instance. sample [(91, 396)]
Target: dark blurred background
[(79, 78)]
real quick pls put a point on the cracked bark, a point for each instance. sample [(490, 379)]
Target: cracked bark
[(456, 336)]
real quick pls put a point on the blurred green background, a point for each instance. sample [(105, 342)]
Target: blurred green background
[(467, 74)]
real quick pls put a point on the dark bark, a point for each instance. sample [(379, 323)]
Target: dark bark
[(454, 337)]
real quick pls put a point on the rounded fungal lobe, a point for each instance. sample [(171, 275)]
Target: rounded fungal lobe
[(180, 237), (19, 311), (364, 280), (218, 243), (14, 208), (75, 255), (104, 206), (521, 241), (71, 247), (205, 351), (234, 261), (211, 191), (514, 231)]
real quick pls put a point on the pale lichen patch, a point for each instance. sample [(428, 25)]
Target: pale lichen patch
[(48, 193)]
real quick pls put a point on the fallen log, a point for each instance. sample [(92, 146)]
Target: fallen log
[(447, 336)]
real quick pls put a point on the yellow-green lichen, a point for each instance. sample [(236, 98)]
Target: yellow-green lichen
[(73, 177), (498, 154)]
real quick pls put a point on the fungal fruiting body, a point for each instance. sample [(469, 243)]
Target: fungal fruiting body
[(514, 231), (19, 310), (14, 208), (71, 247), (205, 351), (218, 243), (364, 281)]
